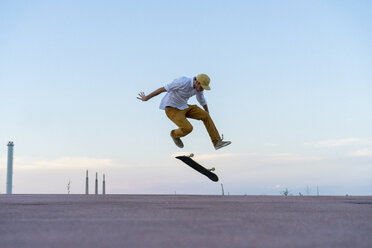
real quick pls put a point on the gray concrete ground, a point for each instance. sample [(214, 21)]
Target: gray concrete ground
[(184, 221)]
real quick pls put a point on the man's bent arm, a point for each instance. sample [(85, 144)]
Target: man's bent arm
[(143, 97)]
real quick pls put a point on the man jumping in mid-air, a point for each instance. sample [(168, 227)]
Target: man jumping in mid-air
[(176, 108)]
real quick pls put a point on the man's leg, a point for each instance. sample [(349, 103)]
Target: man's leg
[(179, 118), (197, 113)]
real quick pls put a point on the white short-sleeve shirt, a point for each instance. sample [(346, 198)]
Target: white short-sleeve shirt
[(178, 93)]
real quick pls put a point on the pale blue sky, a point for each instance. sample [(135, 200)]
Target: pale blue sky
[(291, 88)]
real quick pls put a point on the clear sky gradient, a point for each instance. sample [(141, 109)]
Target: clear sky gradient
[(291, 88)]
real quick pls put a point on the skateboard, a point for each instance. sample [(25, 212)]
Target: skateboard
[(206, 172)]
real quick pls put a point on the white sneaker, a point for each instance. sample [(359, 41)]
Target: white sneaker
[(220, 143), (177, 141)]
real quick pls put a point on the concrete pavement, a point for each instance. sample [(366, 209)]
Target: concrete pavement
[(36, 221)]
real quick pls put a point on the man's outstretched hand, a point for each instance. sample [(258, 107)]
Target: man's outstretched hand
[(142, 97)]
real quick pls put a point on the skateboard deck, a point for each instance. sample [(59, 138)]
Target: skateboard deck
[(190, 162)]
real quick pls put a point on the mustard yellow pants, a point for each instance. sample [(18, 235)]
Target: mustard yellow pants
[(185, 127)]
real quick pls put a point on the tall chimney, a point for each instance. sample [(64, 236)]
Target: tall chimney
[(9, 183), (96, 183), (87, 184), (104, 185)]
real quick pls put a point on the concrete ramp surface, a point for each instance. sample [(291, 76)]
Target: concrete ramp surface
[(178, 221)]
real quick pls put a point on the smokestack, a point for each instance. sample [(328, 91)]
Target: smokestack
[(87, 184), (104, 185), (9, 183), (96, 183)]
